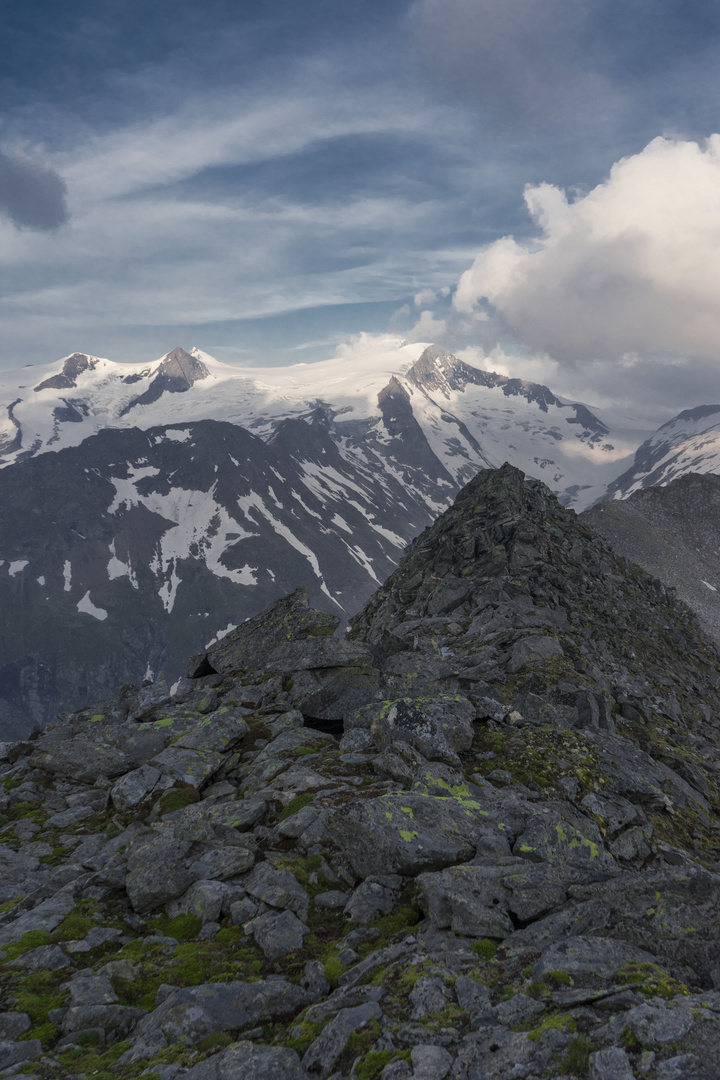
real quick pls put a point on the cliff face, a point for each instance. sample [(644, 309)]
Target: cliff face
[(477, 839)]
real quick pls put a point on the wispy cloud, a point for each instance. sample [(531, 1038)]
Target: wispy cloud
[(32, 196)]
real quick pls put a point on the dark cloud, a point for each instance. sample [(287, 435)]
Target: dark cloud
[(31, 195)]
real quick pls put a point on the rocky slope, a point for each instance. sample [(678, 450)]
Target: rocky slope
[(672, 532), (477, 839)]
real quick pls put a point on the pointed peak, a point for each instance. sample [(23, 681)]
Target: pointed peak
[(67, 377), (182, 365)]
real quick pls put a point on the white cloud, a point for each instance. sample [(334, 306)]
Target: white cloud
[(428, 328), (628, 271)]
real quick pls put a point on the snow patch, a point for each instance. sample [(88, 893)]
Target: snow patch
[(41, 579), (67, 574), (178, 434), (221, 634), (711, 587), (116, 568), (16, 566), (88, 608)]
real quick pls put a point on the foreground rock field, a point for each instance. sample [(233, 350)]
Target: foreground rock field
[(478, 839)]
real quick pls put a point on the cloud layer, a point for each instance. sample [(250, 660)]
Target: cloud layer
[(628, 271), (32, 196)]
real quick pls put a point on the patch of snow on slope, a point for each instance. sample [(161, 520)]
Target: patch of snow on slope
[(116, 568), (67, 575), (86, 605), (16, 566)]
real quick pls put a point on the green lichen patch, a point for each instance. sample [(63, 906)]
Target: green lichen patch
[(652, 981)]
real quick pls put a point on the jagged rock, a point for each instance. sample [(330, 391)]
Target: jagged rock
[(369, 900), (44, 958), (589, 961), (245, 1061), (475, 998), (610, 1064), (438, 728), (658, 1025), (137, 785), (430, 1062), (157, 873), (278, 888), (322, 1054), (11, 1053), (188, 1015), (221, 863), (203, 898), (405, 834), (12, 1025), (278, 934)]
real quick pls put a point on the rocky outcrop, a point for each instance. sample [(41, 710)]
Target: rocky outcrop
[(479, 839)]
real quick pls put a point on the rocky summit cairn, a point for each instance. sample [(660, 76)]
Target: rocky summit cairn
[(476, 840)]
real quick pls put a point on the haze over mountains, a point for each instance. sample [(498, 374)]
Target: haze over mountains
[(152, 507)]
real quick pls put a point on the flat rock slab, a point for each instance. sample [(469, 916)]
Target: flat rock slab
[(245, 1061), (45, 916), (322, 1054), (188, 1015), (407, 833), (192, 767), (589, 961), (436, 727)]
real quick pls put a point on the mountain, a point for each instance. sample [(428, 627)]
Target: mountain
[(689, 443), (672, 532), (476, 840), (146, 510), (383, 407)]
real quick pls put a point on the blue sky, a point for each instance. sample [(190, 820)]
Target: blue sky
[(267, 179)]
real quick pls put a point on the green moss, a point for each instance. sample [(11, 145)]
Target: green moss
[(47, 1033), (295, 804), (182, 927), (304, 751), (577, 1057), (303, 1034), (651, 980), (216, 1040), (176, 799), (333, 971), (8, 905), (628, 1039), (558, 1022), (484, 948), (31, 939), (561, 978), (370, 1067)]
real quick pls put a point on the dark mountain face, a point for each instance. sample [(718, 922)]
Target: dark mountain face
[(483, 831), (672, 532), (127, 553)]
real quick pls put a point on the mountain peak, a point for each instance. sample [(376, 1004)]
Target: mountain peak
[(182, 366), (67, 377)]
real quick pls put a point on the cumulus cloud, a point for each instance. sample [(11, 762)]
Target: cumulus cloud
[(32, 196), (627, 272)]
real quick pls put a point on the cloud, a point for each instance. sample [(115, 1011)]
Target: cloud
[(628, 272), (32, 196)]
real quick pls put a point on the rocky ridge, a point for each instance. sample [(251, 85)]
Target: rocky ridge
[(477, 839)]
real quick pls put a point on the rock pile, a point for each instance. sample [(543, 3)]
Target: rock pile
[(476, 840)]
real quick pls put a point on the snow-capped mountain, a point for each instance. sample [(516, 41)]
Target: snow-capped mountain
[(457, 417), (689, 443), (146, 509)]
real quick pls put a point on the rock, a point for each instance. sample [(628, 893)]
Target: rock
[(428, 995), (15, 865), (194, 767), (137, 785), (322, 1054), (369, 900), (533, 650), (222, 863), (188, 1015), (437, 728), (116, 1020), (518, 1009), (203, 898), (92, 990), (474, 997), (12, 1025), (658, 1025), (44, 958), (295, 826), (157, 873), (245, 1061), (589, 961), (430, 1062), (278, 888), (46, 916), (610, 1064), (96, 937), (551, 839), (11, 1053), (405, 834), (252, 645), (67, 818), (278, 934), (332, 900)]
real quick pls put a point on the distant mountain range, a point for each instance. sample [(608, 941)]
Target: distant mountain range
[(149, 508)]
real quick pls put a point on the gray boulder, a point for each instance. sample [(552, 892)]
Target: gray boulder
[(590, 962), (157, 873), (278, 933), (438, 728), (322, 1054), (246, 1061)]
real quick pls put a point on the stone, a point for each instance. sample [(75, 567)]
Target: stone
[(15, 866), (680, 1067), (369, 901), (194, 767), (246, 1061), (438, 728), (65, 819), (278, 888), (12, 1025), (610, 1064), (474, 997), (203, 898), (533, 650), (658, 1025), (222, 863), (405, 834), (96, 937), (428, 995), (157, 873), (242, 911), (295, 826), (43, 958), (46, 916), (11, 1053), (116, 1020), (589, 961), (187, 1015), (331, 900), (518, 1009), (551, 839), (430, 1062), (92, 990), (137, 785), (278, 934), (322, 1054)]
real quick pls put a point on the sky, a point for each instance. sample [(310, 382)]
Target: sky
[(534, 184)]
